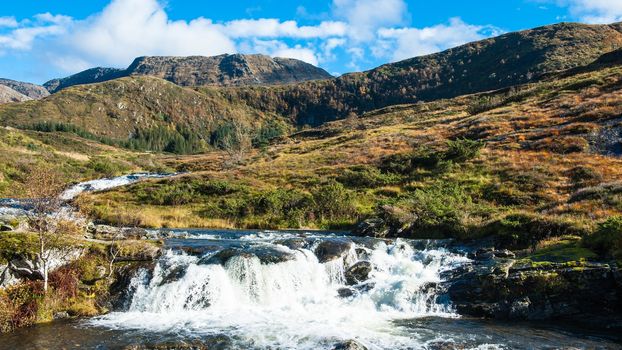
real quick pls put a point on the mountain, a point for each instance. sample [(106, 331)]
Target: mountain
[(223, 70), (31, 90), (227, 70), (8, 95), (89, 76), (499, 62)]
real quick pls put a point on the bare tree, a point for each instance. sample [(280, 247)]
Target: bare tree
[(43, 187), (236, 141)]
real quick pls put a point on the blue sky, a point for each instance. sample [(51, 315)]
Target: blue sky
[(40, 40)]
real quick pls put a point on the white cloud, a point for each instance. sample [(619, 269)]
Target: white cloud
[(272, 28), (365, 17), (594, 11), (410, 42), (8, 21), (277, 48)]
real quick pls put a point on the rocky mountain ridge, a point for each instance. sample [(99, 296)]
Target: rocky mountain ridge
[(222, 70)]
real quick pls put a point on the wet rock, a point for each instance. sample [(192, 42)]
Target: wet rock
[(364, 287), (215, 342), (444, 345), (358, 272), (499, 288), (346, 292), (292, 243), (374, 227), (273, 256), (121, 290), (173, 275), (349, 345), (519, 309), (332, 249), (223, 256)]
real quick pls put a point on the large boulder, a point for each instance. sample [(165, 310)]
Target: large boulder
[(350, 345), (332, 249), (358, 272)]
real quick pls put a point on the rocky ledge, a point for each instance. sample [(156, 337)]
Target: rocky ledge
[(496, 285)]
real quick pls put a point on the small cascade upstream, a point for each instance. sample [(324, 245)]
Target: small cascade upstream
[(265, 294)]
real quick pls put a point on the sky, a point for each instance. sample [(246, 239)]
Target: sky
[(41, 40)]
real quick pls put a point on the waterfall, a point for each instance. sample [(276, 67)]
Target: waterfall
[(294, 303)]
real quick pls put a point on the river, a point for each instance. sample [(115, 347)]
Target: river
[(291, 290)]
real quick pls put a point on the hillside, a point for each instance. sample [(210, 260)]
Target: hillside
[(143, 112), (545, 163), (510, 59), (223, 70)]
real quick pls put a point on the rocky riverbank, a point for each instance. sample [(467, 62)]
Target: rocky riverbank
[(497, 285)]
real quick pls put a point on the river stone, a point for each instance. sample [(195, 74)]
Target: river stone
[(173, 275), (346, 292), (332, 249), (223, 256), (212, 342), (349, 345), (358, 272), (292, 243), (273, 256)]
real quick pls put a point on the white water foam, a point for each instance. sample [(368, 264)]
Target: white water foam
[(108, 183), (292, 304)]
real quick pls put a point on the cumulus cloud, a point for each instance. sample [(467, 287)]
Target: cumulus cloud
[(594, 11), (365, 17), (409, 42), (358, 31), (8, 21)]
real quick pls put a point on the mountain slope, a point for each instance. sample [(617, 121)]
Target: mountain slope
[(31, 90), (223, 70), (495, 63), (89, 76), (8, 95), (135, 108)]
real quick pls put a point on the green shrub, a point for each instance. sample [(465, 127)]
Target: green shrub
[(333, 201), (462, 150), (520, 231), (607, 239), (365, 176)]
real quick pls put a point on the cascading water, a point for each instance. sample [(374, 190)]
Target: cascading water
[(295, 302)]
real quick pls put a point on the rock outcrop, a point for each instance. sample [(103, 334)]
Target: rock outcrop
[(8, 95), (223, 70), (506, 288), (89, 76), (30, 90), (227, 70)]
